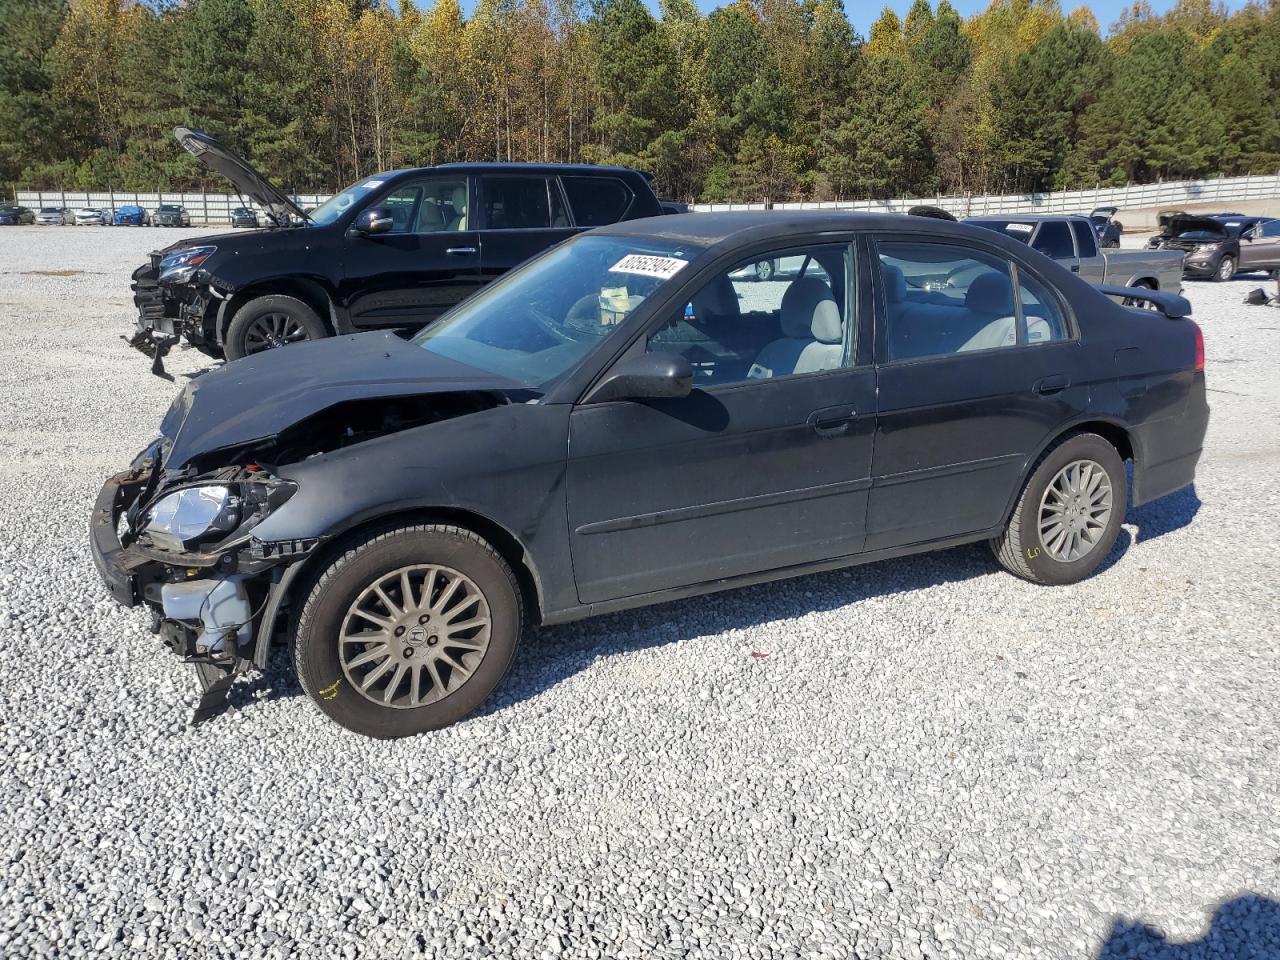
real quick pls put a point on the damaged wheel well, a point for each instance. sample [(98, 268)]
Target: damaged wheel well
[(310, 292), (498, 537)]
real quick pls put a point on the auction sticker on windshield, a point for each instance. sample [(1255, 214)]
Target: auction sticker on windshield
[(647, 265)]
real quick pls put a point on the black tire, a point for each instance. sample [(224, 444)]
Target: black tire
[(253, 322), (1021, 549), (1225, 268), (316, 642)]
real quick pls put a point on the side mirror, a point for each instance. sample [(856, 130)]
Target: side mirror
[(374, 221), (649, 376)]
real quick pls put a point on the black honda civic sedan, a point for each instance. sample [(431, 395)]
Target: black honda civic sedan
[(620, 422)]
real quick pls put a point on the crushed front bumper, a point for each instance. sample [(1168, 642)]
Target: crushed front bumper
[(167, 314)]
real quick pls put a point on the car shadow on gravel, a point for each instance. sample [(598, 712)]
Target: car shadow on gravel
[(1245, 926), (550, 655)]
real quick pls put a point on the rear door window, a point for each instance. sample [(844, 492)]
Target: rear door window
[(1053, 239), (1084, 238), (596, 200), (522, 203)]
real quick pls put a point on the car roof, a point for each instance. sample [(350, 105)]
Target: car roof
[(1029, 217), (709, 229), (496, 166)]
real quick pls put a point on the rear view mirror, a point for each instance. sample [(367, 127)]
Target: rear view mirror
[(648, 376), (374, 221)]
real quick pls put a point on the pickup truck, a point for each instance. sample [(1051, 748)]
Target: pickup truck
[(1072, 242)]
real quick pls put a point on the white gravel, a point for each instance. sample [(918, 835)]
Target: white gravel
[(934, 759)]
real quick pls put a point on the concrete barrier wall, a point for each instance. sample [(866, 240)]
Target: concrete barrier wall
[(1138, 203)]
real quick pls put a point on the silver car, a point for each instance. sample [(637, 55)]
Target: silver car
[(53, 217), (89, 217)]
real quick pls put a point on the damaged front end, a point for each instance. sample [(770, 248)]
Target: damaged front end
[(176, 300), (185, 532), (185, 548)]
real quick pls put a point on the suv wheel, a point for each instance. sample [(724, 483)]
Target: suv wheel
[(409, 631), (1226, 269), (270, 322), (1069, 514)]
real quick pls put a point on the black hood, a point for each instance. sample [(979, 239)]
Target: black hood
[(246, 179), (259, 396)]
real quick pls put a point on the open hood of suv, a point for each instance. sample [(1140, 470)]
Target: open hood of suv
[(1188, 222), (246, 179)]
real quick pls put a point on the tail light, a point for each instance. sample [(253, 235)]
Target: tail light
[(1199, 347)]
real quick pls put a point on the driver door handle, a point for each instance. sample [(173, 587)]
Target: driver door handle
[(832, 421), (460, 251)]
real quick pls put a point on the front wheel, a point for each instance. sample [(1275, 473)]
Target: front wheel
[(270, 322), (1226, 269), (1069, 514), (408, 631)]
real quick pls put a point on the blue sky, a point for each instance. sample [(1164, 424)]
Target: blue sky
[(864, 12)]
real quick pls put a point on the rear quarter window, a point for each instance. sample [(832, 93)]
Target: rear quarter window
[(596, 201), (1084, 238)]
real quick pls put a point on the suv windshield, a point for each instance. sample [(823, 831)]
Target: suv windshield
[(538, 321), (340, 203)]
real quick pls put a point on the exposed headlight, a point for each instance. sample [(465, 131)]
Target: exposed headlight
[(199, 516), (180, 265), (185, 517), (1207, 247)]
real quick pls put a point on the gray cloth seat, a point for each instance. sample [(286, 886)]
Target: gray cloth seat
[(430, 219), (984, 319), (813, 333), (458, 200)]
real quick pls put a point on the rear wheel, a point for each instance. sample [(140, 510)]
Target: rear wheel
[(1069, 513), (764, 270), (1226, 269), (409, 631), (270, 322), (1138, 302)]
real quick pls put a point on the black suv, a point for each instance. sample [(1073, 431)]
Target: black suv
[(393, 251)]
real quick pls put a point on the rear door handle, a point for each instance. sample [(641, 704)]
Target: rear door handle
[(460, 251), (1075, 268), (1050, 385), (832, 421)]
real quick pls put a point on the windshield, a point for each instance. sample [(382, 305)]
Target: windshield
[(168, 208), (340, 203), (1018, 229), (538, 322)]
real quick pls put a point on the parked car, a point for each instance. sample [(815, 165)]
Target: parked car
[(54, 217), (13, 215), (91, 217), (1105, 225), (393, 251), (243, 217), (170, 215), (1072, 242), (780, 268), (132, 215), (1218, 245), (607, 427)]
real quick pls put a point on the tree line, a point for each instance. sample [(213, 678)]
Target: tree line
[(759, 98)]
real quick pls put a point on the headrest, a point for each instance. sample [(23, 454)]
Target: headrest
[(809, 310), (990, 292), (430, 217), (895, 284), (458, 197), (718, 298)]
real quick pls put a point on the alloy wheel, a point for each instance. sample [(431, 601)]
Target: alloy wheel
[(272, 330), (414, 636), (1075, 510)]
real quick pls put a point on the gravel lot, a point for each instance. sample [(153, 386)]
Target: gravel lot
[(934, 759)]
